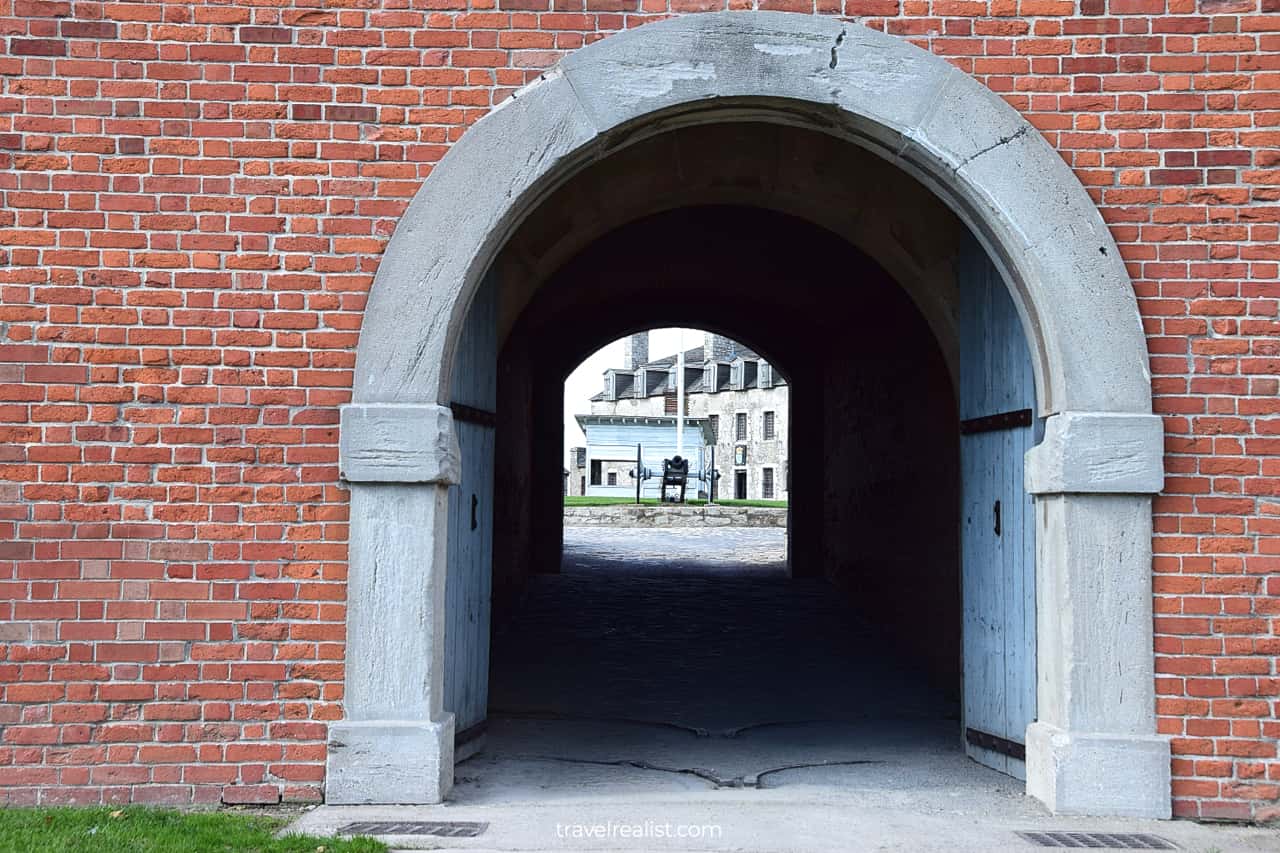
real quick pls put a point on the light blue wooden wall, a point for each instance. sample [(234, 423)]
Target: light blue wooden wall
[(658, 442), (469, 582), (998, 571)]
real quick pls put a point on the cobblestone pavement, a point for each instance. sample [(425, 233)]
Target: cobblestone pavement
[(678, 550), (716, 637)]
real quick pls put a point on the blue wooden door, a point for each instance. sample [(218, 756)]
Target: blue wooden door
[(998, 427), (469, 581)]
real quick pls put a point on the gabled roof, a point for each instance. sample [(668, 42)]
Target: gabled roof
[(692, 358)]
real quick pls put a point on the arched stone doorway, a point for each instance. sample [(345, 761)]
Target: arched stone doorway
[(1093, 747)]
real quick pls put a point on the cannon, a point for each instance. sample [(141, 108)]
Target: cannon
[(675, 476)]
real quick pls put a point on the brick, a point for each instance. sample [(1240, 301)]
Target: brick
[(37, 47), (260, 795), (1176, 176), (266, 35), (89, 29), (23, 352), (340, 112)]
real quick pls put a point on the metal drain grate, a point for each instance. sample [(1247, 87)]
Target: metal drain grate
[(1100, 840), (438, 828)]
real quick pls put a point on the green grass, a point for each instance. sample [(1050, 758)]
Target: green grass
[(583, 500), (136, 829)]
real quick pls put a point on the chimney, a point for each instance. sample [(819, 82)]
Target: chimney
[(636, 351), (717, 347)]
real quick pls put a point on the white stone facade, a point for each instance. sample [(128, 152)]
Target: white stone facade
[(752, 467)]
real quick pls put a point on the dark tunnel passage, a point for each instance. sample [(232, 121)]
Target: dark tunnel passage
[(866, 622)]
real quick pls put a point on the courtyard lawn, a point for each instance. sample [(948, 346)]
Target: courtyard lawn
[(587, 500), (136, 829)]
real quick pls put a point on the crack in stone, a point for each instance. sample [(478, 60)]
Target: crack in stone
[(755, 780), (835, 55), (734, 732), (701, 773), (1004, 140), (429, 333), (746, 780)]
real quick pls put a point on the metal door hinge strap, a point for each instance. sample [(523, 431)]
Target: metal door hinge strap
[(990, 423), (995, 743), (472, 415), (470, 733)]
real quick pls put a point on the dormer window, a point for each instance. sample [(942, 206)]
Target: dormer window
[(656, 382)]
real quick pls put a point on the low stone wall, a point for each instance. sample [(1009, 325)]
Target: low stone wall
[(642, 515)]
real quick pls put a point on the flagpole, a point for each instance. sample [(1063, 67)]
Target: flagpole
[(680, 397)]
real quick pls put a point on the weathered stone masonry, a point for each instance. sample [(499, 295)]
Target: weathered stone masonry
[(196, 198)]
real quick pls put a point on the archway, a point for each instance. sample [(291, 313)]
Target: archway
[(1093, 747), (802, 654)]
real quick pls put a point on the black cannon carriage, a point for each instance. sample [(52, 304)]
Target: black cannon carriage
[(675, 476)]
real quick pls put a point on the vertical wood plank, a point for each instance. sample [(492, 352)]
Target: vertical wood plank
[(468, 584), (998, 571)]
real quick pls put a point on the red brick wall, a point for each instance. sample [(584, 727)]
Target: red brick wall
[(195, 199)]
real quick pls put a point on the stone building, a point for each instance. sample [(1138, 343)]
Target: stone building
[(284, 291), (576, 474), (740, 394)]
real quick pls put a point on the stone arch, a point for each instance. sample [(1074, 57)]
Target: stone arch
[(1094, 747)]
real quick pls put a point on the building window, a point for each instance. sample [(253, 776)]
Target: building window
[(769, 426), (595, 472), (740, 426), (613, 478), (766, 484), (714, 421), (670, 403)]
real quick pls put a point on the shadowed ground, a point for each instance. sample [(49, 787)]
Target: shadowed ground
[(696, 628), (690, 651)]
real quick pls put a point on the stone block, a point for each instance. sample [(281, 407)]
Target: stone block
[(398, 444), (389, 761), (1098, 774), (1098, 453)]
